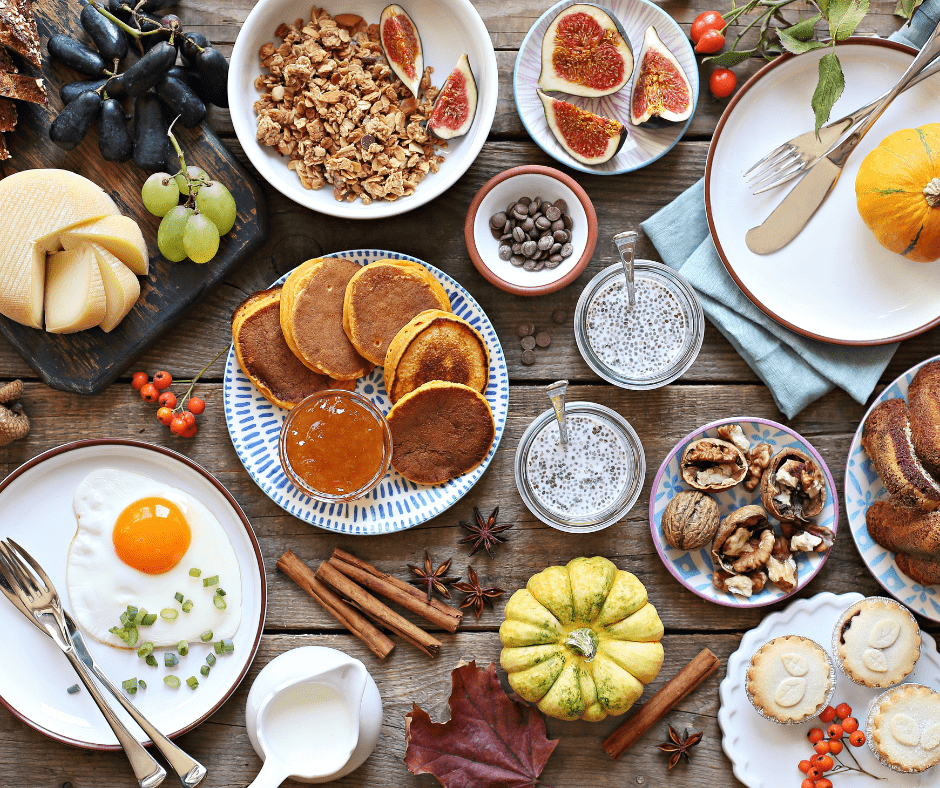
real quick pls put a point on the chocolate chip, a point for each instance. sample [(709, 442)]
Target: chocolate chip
[(520, 212), (516, 248), (525, 329), (559, 316), (528, 342), (505, 252), (507, 228), (505, 237), (524, 200), (510, 208), (543, 223), (555, 248), (566, 220), (545, 242), (557, 225), (552, 213), (367, 141), (528, 225), (516, 260), (539, 265), (553, 262), (529, 248), (543, 339), (561, 236), (566, 250), (496, 233), (534, 207), (528, 358), (497, 220), (519, 234), (561, 205)]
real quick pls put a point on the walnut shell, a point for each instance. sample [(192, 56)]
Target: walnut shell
[(690, 520), (739, 536), (793, 486), (713, 464)]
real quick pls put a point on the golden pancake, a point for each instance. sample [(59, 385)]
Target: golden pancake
[(382, 298), (439, 431), (265, 357), (436, 345), (312, 317)]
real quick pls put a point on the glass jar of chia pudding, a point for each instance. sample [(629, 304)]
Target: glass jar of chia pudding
[(652, 344), (591, 481)]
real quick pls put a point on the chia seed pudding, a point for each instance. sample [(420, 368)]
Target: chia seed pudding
[(651, 337), (583, 477)]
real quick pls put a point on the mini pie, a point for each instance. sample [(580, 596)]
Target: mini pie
[(790, 679), (876, 642), (905, 728)]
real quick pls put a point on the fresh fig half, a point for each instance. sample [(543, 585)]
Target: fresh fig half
[(402, 46), (662, 93), (589, 138), (456, 104), (585, 52)]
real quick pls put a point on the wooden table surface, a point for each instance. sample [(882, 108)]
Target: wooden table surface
[(718, 385)]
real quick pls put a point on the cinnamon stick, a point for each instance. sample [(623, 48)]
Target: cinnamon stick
[(389, 586), (656, 707), (376, 610), (378, 643)]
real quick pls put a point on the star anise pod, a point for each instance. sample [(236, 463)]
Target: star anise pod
[(678, 746), (483, 533), (475, 595), (433, 579)]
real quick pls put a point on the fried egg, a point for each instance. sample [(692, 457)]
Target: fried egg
[(136, 541)]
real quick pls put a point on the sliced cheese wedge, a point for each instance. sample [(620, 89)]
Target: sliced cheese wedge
[(35, 206), (75, 294), (120, 235), (121, 287)]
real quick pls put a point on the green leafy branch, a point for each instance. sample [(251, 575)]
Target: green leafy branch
[(776, 34)]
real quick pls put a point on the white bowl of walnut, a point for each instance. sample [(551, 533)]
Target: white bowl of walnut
[(270, 110)]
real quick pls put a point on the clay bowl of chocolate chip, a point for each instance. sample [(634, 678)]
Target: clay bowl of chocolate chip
[(531, 230)]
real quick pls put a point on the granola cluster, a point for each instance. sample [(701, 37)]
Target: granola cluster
[(331, 104)]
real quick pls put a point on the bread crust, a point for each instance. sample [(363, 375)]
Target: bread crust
[(923, 401)]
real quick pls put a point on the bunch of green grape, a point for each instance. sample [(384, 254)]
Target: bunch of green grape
[(194, 228)]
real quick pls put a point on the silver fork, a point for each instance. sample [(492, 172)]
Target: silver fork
[(795, 156), (38, 601)]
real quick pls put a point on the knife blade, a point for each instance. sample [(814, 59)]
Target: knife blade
[(795, 210)]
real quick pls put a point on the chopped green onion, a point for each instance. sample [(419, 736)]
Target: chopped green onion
[(128, 634), (195, 572), (205, 637), (140, 616), (178, 597), (171, 681), (187, 605), (149, 620), (145, 650), (73, 689), (169, 614), (170, 660), (210, 658), (183, 648), (204, 670), (210, 581), (224, 646), (219, 602), (193, 682), (142, 684), (127, 618), (130, 686), (151, 660), (220, 591)]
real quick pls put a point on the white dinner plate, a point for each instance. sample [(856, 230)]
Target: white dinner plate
[(447, 28), (36, 511), (644, 144), (862, 488), (834, 282), (765, 754), (254, 425), (694, 568)]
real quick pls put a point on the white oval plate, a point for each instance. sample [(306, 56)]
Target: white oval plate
[(254, 425), (446, 29), (694, 569), (36, 511), (834, 282), (644, 145), (862, 488), (765, 754)]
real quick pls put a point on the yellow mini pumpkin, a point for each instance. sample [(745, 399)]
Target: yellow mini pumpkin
[(898, 192), (581, 640)]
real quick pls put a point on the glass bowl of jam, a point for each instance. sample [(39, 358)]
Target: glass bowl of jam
[(591, 481), (335, 446), (652, 344)]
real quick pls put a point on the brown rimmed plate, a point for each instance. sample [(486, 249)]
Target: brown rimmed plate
[(36, 510), (834, 282)]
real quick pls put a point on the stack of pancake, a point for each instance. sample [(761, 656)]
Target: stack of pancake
[(903, 441), (334, 320)]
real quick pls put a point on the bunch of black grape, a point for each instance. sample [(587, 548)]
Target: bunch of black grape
[(161, 89)]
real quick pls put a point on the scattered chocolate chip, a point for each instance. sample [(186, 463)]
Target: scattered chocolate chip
[(543, 339), (566, 220), (557, 225), (524, 200), (528, 343), (561, 205), (545, 242), (516, 260), (553, 262), (519, 234), (561, 236), (559, 316), (528, 358), (497, 220), (528, 225), (510, 208), (505, 252), (552, 213), (566, 250), (496, 233), (529, 265), (529, 248), (367, 141), (525, 329)]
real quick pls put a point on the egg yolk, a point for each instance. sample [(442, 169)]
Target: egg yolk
[(152, 535)]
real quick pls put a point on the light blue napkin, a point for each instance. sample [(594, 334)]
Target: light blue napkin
[(797, 370)]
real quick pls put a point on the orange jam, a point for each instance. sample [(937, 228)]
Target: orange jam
[(336, 445)]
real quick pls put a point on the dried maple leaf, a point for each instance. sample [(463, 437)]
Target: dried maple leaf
[(488, 742)]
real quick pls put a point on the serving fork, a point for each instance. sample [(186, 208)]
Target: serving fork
[(791, 158), (32, 592)]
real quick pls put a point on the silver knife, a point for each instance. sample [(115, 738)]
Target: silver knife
[(797, 208), (189, 770)]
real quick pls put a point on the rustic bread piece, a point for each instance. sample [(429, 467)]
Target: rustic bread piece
[(18, 30), (24, 88), (923, 401), (886, 436), (925, 571), (903, 530), (7, 107)]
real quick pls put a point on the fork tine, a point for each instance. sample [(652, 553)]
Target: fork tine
[(11, 588), (773, 154), (775, 176), (780, 181), (36, 567), (781, 162), (20, 576)]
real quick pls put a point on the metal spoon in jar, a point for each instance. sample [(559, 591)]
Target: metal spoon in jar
[(626, 248), (556, 393)]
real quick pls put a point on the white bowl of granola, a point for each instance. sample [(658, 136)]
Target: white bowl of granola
[(301, 118)]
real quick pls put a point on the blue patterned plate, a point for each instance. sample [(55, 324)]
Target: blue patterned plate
[(396, 504), (694, 569), (862, 488)]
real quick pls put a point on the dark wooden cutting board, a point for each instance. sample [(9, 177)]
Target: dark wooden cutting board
[(88, 361)]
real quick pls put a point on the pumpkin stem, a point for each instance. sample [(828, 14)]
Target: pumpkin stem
[(583, 641), (932, 192)]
